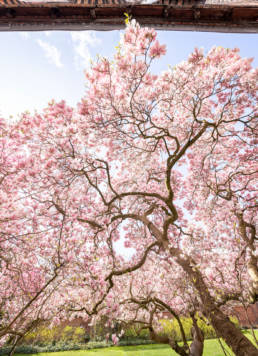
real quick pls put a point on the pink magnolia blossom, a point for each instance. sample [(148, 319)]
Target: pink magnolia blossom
[(115, 339), (157, 50)]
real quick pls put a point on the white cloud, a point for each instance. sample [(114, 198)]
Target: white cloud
[(51, 53), (47, 33), (24, 35), (82, 41)]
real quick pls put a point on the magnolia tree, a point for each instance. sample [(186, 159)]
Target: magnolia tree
[(29, 263), (164, 163)]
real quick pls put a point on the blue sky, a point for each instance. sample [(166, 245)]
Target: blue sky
[(36, 67)]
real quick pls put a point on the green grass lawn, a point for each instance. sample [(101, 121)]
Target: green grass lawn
[(211, 348)]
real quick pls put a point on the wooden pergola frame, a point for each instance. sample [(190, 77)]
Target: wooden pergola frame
[(192, 15)]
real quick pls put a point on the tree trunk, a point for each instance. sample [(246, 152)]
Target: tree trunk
[(224, 328), (240, 345), (16, 340), (253, 273), (196, 347), (180, 350)]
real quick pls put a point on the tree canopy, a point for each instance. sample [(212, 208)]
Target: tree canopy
[(164, 163)]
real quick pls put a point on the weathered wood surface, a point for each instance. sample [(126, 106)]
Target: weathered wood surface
[(194, 15)]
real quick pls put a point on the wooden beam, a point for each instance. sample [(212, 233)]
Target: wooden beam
[(188, 15)]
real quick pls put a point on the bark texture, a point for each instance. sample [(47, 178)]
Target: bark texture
[(196, 347), (224, 328), (253, 273)]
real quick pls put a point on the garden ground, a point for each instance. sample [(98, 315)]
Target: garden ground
[(211, 348)]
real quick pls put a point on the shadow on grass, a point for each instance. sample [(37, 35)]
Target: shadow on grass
[(143, 347)]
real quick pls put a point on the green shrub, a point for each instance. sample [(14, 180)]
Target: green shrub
[(50, 336), (171, 328), (135, 332), (25, 349), (134, 342)]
